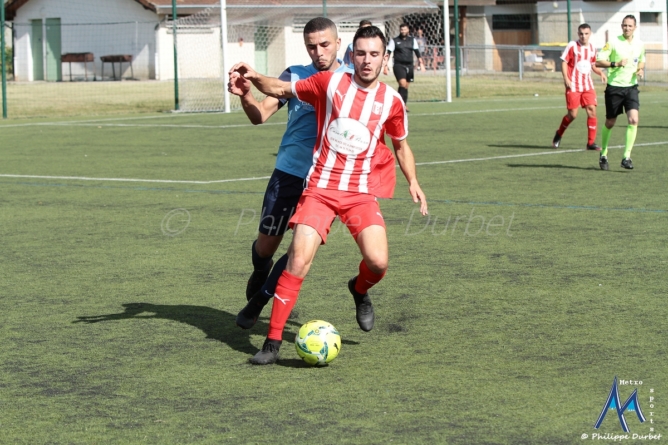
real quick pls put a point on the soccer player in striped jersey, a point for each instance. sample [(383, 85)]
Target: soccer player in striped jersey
[(352, 166), (292, 162), (578, 61)]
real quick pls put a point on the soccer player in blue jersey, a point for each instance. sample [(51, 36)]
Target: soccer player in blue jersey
[(295, 157)]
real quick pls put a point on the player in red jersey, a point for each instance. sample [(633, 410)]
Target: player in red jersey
[(351, 167), (578, 61)]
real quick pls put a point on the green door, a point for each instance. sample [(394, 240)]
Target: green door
[(261, 37), (37, 53), (54, 70)]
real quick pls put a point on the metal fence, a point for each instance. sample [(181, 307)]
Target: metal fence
[(534, 61)]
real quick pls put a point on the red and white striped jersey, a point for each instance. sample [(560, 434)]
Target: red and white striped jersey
[(350, 153), (579, 59)]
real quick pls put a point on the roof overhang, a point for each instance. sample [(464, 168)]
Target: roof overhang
[(11, 6)]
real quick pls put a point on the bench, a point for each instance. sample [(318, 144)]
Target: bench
[(117, 58), (79, 58)]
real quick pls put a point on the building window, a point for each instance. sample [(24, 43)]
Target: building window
[(507, 22), (649, 18)]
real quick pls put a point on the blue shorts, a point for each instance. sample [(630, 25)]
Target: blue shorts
[(280, 201)]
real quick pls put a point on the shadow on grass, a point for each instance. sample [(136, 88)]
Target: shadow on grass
[(540, 147), (216, 324), (557, 166)]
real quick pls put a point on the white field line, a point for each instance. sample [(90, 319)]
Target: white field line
[(110, 119), (496, 110), (523, 155), (172, 181), (161, 181), (99, 123), (166, 125), (102, 122)]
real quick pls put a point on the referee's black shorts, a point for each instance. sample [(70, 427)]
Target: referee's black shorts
[(403, 71), (619, 100)]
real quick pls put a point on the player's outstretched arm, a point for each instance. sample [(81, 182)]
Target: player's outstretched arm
[(257, 112), (407, 165), (270, 86)]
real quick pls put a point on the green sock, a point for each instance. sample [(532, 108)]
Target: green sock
[(631, 132), (605, 139)]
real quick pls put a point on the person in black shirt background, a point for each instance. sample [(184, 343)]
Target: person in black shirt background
[(404, 46)]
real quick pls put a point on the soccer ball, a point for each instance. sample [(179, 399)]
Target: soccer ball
[(318, 342)]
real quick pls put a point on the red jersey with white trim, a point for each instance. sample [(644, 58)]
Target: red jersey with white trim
[(350, 153), (579, 59)]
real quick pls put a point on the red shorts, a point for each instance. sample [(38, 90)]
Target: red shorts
[(318, 207), (575, 99)]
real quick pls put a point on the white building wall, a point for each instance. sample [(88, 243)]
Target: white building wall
[(86, 26), (605, 19), (276, 52), (295, 51)]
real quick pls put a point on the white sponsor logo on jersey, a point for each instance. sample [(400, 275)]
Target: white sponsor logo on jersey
[(348, 136), (584, 66)]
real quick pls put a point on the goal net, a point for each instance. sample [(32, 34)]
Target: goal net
[(270, 38)]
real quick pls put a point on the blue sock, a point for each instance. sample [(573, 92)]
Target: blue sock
[(259, 263), (269, 286)]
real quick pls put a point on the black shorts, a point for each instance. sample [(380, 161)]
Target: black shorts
[(402, 71), (280, 201), (619, 100)]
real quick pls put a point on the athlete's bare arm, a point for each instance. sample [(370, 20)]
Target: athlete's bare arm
[(608, 64), (407, 165), (599, 72), (270, 86), (257, 112), (564, 72)]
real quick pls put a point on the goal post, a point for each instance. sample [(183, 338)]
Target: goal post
[(270, 38)]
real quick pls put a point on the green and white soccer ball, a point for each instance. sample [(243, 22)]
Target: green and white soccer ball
[(318, 342)]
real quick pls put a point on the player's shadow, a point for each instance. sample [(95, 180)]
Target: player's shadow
[(540, 147), (573, 167), (216, 324), (652, 126)]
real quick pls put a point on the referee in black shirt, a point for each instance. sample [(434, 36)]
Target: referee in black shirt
[(403, 46)]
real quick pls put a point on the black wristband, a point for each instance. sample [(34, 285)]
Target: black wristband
[(612, 64)]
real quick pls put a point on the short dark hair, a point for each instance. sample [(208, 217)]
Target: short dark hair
[(369, 32), (584, 26), (365, 23), (404, 25), (320, 24), (630, 16)]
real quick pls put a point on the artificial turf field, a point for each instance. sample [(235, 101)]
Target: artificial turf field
[(503, 318)]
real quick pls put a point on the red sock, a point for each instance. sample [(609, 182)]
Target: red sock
[(591, 127), (285, 297), (565, 122), (366, 279)]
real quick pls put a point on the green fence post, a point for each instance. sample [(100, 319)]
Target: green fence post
[(568, 12), (176, 60), (4, 64), (457, 61), (324, 8)]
